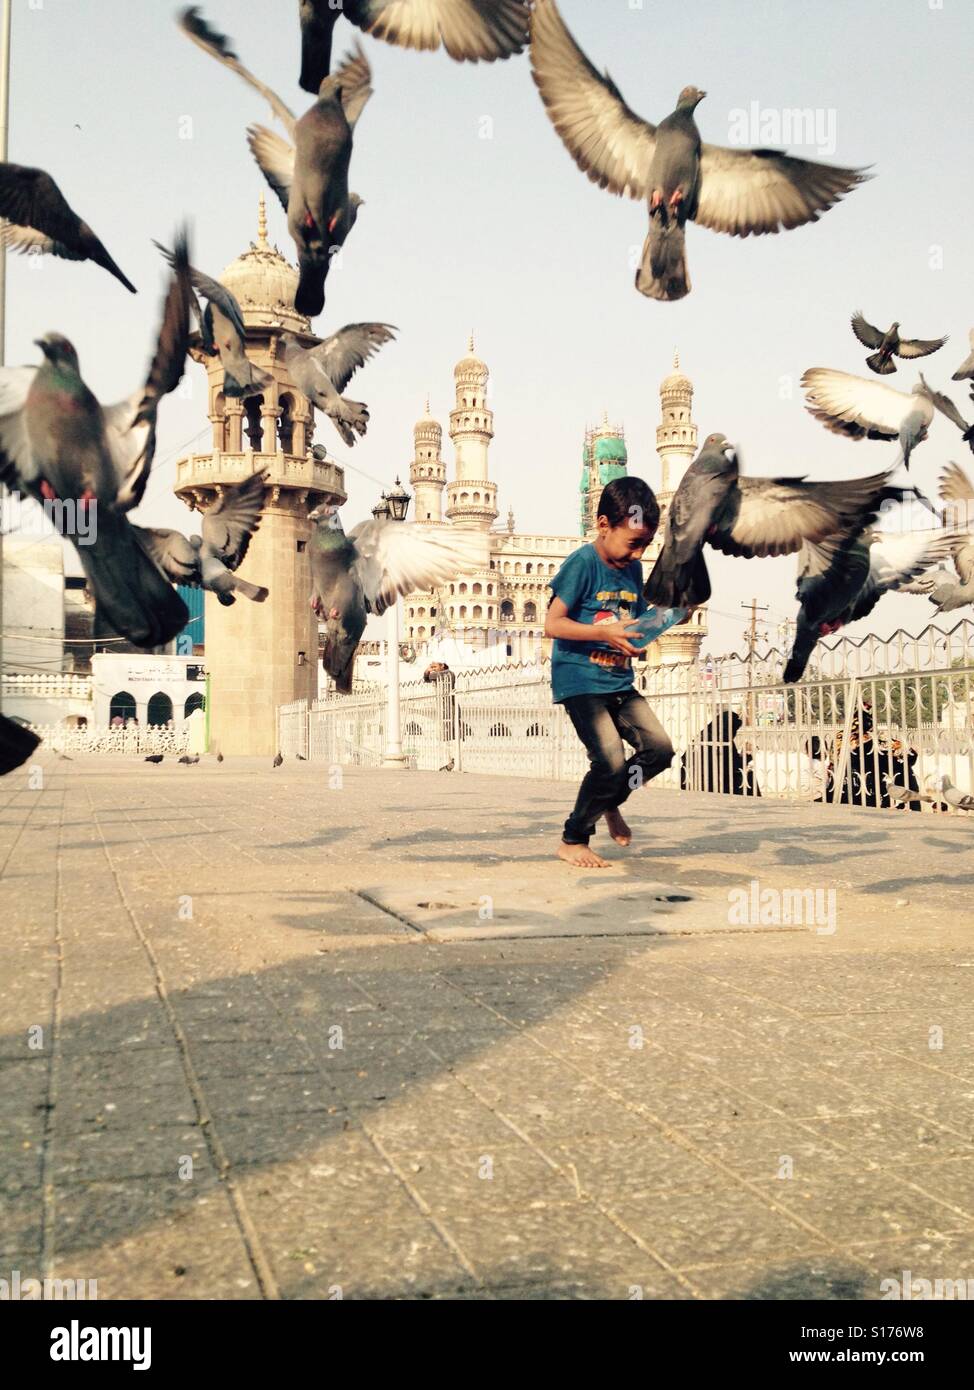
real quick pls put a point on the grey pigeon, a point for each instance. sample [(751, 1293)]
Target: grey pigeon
[(961, 801), (890, 344), (966, 369), (278, 760), (301, 758), (448, 767), (737, 191), (40, 220), (714, 505), (207, 561), (133, 598), (153, 758), (17, 742), (224, 334), (219, 757), (188, 760), (468, 29), (863, 409), (949, 592), (900, 796), (323, 371), (56, 441), (842, 578), (364, 572), (310, 177)]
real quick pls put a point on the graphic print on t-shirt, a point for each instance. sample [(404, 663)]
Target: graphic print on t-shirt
[(620, 611)]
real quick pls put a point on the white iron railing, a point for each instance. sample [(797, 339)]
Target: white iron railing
[(135, 738)]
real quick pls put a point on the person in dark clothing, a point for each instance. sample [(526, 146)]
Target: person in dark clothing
[(872, 765), (597, 596), (719, 765)]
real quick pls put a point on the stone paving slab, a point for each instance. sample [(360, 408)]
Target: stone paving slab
[(238, 1060)]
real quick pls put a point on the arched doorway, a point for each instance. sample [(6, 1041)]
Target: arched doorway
[(159, 712), (122, 707), (194, 702)]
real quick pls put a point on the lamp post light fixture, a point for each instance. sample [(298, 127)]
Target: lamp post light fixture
[(393, 507)]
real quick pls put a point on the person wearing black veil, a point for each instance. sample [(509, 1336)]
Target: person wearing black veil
[(719, 765), (872, 766)]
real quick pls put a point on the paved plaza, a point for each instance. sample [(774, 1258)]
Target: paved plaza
[(296, 1033)]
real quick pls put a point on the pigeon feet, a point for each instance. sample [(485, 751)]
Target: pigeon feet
[(656, 201), (676, 198), (47, 491)]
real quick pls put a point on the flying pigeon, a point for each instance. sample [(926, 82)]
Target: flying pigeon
[(468, 29), (323, 372), (946, 407), (843, 577), (966, 368), (948, 592), (890, 344), (17, 742), (40, 221), (864, 409), (310, 176), (132, 596), (223, 334), (364, 571), (207, 561), (751, 517), (737, 191), (56, 441), (952, 794)]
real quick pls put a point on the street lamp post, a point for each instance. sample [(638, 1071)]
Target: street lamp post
[(392, 508)]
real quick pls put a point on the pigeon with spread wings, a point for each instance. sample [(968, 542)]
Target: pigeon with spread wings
[(39, 221), (890, 344), (469, 30), (738, 191), (750, 517), (322, 372), (365, 571)]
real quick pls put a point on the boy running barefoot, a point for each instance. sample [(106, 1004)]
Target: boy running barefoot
[(598, 595)]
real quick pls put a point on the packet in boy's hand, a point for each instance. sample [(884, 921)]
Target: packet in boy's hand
[(653, 622)]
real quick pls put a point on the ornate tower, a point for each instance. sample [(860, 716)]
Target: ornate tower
[(676, 444), (261, 655), (427, 472), (472, 499), (604, 458)]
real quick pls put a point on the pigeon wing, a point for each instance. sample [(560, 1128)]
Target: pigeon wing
[(212, 290), (757, 191), (172, 552), (229, 524), (275, 159), (919, 347), (852, 405), (954, 483), (217, 45), (17, 468), (31, 198), (607, 140), (28, 240), (946, 407), (896, 560), (868, 335), (354, 77), (469, 30), (344, 352), (772, 516), (393, 557)]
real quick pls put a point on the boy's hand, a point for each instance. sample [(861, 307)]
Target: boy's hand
[(617, 634)]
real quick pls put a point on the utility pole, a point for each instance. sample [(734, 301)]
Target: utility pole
[(752, 641), (4, 120)]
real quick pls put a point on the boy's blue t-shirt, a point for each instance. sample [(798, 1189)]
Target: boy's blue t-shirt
[(594, 592)]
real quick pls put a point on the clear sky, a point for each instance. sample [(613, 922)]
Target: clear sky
[(505, 236)]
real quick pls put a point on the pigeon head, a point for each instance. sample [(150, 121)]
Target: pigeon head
[(689, 99), (58, 350), (326, 518)]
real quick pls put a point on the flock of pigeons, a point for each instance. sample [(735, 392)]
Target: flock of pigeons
[(59, 445)]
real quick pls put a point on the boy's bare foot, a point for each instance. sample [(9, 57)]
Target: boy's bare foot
[(617, 827), (581, 856)]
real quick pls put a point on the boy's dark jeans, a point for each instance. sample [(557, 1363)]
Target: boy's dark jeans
[(602, 722)]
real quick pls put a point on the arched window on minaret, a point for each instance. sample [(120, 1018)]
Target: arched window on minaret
[(255, 426), (285, 424)]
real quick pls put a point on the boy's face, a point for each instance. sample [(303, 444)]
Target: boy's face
[(622, 544)]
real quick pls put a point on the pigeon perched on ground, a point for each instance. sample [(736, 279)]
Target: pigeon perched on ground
[(448, 767), (219, 757), (278, 760), (961, 801), (714, 505), (301, 758), (966, 369), (16, 744), (56, 441), (738, 191), (207, 561), (323, 372), (40, 221), (902, 795), (890, 344), (188, 760), (364, 572), (310, 177), (223, 334), (153, 758), (842, 578), (468, 29), (864, 409)]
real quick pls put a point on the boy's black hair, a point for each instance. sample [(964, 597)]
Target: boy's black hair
[(620, 497)]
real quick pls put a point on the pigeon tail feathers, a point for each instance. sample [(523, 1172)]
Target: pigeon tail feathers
[(880, 364), (663, 273)]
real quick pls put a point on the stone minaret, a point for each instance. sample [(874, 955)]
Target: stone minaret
[(472, 499), (604, 458), (427, 472), (261, 655), (676, 444)]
